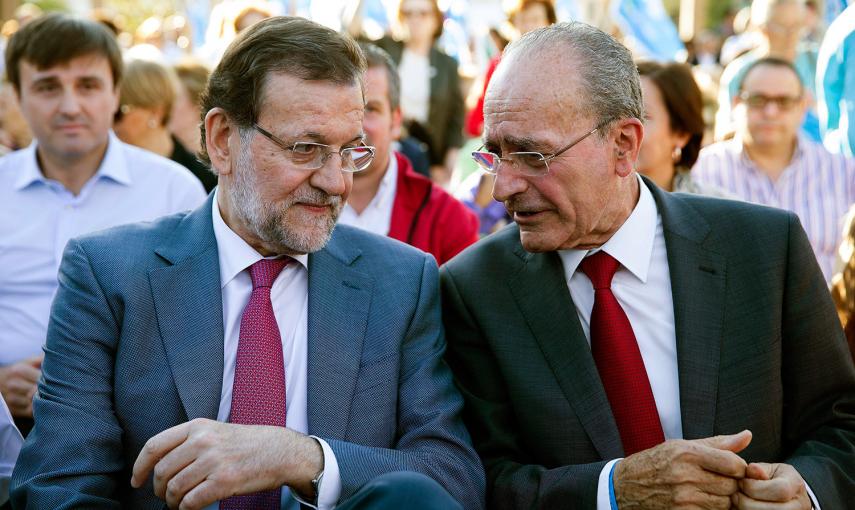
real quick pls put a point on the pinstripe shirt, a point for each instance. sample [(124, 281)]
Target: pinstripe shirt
[(817, 185)]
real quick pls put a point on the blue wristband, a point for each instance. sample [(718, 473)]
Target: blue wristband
[(612, 500)]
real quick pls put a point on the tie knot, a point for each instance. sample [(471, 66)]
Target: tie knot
[(265, 271), (600, 268)]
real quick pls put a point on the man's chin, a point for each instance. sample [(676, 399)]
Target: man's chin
[(535, 242)]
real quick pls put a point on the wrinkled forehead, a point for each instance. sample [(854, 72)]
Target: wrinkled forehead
[(532, 92)]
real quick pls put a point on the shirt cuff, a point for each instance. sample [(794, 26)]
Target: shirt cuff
[(812, 496), (330, 488), (605, 487)]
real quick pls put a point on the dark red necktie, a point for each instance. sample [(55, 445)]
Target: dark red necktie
[(619, 361), (258, 393)]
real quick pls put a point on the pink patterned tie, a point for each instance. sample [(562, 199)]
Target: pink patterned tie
[(258, 393), (619, 361)]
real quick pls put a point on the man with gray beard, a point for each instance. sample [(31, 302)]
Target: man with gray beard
[(251, 354)]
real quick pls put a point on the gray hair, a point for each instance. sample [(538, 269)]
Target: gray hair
[(376, 56), (610, 81)]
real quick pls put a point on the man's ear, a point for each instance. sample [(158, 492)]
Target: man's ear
[(627, 143), (218, 135), (397, 122)]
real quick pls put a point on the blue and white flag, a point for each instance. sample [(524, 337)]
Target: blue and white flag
[(648, 29), (833, 8)]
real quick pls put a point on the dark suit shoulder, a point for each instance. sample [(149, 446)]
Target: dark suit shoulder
[(715, 207), (499, 252), (729, 222)]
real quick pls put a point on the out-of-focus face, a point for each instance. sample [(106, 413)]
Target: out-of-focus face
[(774, 108), (184, 120), (534, 103), (419, 19), (382, 125), (249, 19), (288, 209), (532, 17), (135, 123), (660, 140), (785, 27), (15, 133), (69, 107)]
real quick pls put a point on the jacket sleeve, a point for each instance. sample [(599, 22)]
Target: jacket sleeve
[(513, 479), (431, 437), (73, 456), (819, 381)]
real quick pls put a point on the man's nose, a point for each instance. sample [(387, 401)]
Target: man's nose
[(69, 103), (508, 183), (772, 108), (330, 177)]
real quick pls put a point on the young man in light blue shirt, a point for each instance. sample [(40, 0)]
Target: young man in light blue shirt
[(76, 177)]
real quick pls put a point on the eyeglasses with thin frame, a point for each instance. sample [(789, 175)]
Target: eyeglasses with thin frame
[(533, 164), (312, 156), (759, 101)]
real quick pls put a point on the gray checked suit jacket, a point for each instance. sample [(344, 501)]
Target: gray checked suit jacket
[(759, 347), (135, 346)]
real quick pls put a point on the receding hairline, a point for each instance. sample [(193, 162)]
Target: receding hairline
[(563, 58), (772, 65)]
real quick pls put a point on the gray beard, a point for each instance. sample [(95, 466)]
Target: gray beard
[(266, 221)]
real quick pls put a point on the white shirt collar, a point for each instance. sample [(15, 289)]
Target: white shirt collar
[(234, 253), (631, 245), (386, 191), (113, 165)]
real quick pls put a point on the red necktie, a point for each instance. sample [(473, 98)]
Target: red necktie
[(619, 361), (258, 393)]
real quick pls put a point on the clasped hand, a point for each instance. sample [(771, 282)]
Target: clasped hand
[(203, 461), (706, 474)]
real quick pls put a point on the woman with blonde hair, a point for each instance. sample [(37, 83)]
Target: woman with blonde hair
[(147, 93)]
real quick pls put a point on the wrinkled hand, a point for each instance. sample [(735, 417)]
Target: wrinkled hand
[(772, 486), (700, 473), (202, 461), (18, 384)]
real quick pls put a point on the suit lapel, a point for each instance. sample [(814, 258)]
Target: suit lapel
[(541, 293), (698, 291), (188, 304), (339, 298)]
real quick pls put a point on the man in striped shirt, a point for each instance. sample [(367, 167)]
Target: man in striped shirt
[(769, 163)]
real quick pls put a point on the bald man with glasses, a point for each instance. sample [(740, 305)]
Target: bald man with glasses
[(622, 347)]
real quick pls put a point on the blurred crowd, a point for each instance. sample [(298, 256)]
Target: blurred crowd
[(437, 132), (758, 107)]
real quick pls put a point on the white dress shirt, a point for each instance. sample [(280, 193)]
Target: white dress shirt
[(290, 297), (642, 286), (415, 73), (377, 215), (10, 446), (38, 216)]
